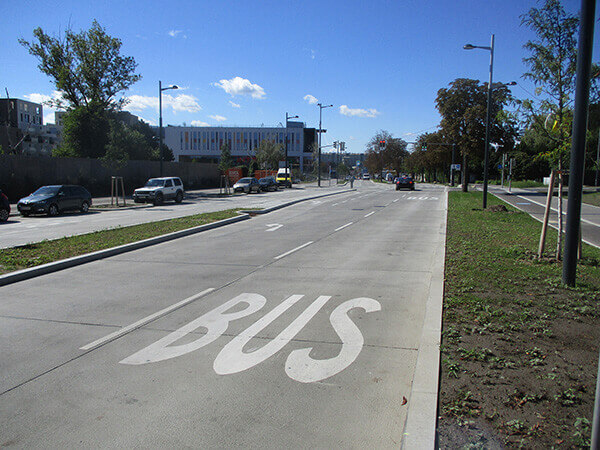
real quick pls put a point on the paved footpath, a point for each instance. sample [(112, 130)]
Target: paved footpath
[(533, 202)]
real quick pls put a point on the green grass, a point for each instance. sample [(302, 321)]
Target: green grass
[(34, 254), (510, 323), (522, 184), (591, 198)]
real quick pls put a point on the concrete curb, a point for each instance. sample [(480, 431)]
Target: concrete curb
[(55, 266), (420, 430)]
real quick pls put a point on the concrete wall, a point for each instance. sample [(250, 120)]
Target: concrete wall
[(20, 175)]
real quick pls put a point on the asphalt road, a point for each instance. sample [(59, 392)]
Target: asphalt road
[(534, 203), (23, 230), (315, 326)]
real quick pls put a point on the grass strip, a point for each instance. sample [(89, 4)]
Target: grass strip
[(31, 255), (519, 349)]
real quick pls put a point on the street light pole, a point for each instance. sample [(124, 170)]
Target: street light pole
[(321, 108), (288, 173), (160, 126), (487, 118)]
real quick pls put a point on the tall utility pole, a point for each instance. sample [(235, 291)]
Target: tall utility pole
[(321, 108), (576, 168), (597, 160), (160, 127), (487, 118), (287, 172)]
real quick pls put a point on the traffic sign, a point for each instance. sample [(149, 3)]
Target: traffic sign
[(455, 166)]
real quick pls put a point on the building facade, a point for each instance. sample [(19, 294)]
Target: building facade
[(204, 144), (23, 130)]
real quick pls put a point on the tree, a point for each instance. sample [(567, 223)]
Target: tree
[(552, 68), (463, 109), (225, 161), (89, 71), (86, 67), (268, 154)]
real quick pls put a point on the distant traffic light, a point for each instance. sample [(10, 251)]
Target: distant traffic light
[(381, 144)]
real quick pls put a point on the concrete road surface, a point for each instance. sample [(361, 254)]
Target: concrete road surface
[(315, 326), (23, 230)]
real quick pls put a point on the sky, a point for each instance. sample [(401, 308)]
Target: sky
[(246, 63)]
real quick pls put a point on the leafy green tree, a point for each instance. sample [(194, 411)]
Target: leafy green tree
[(86, 67), (552, 63), (463, 109), (89, 71), (85, 133), (225, 161), (268, 154)]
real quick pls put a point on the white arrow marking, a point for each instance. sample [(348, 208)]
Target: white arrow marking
[(274, 226)]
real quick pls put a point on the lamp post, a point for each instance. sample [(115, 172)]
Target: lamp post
[(487, 118), (160, 127), (288, 173), (321, 108)]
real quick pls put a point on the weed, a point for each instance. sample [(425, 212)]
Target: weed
[(581, 436), (452, 368), (476, 354), (568, 397)]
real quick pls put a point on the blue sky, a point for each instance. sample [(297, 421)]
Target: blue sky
[(380, 63)]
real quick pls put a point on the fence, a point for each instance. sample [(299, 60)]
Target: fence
[(20, 175)]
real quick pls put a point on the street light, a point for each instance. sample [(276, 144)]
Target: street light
[(487, 117), (288, 174), (160, 132), (321, 108)]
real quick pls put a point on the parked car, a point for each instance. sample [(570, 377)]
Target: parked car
[(405, 182), (157, 190), (246, 185), (268, 184), (366, 176), (53, 200), (4, 207)]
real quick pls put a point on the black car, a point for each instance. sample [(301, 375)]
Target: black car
[(4, 207), (52, 200), (405, 182), (268, 184)]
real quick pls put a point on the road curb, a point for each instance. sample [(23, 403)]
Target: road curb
[(55, 266)]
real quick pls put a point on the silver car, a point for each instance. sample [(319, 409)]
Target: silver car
[(247, 185)]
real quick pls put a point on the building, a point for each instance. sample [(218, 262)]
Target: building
[(203, 144), (23, 128)]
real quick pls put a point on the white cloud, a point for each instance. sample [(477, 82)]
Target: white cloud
[(312, 54), (174, 33), (234, 105), (358, 112), (218, 118), (181, 102), (310, 99), (199, 123), (241, 86)]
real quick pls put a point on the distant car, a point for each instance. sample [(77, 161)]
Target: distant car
[(268, 184), (53, 200), (405, 182), (366, 176), (157, 190), (284, 178), (247, 185), (4, 207)]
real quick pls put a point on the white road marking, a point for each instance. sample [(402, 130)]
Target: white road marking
[(395, 200), (344, 226), (294, 250), (524, 203), (274, 226), (556, 210), (370, 214), (144, 321), (335, 204)]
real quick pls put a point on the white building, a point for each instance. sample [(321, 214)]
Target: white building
[(204, 143)]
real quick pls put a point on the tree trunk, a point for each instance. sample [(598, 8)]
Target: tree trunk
[(465, 174), (560, 210)]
